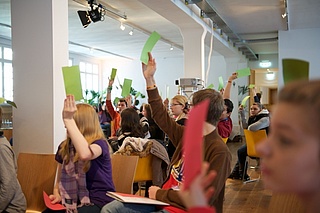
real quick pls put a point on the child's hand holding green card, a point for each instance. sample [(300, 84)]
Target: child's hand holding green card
[(148, 46), (113, 73)]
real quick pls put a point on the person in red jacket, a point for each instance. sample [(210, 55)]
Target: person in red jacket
[(225, 124), (115, 114)]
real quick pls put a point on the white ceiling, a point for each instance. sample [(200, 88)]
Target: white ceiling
[(249, 19)]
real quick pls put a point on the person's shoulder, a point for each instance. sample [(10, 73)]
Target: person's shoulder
[(214, 141), (100, 142), (182, 121), (4, 141), (4, 145), (103, 144)]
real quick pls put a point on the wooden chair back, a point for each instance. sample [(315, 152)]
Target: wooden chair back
[(252, 139), (282, 203), (36, 173), (123, 172), (144, 169)]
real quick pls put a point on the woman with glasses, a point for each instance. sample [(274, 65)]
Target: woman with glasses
[(179, 109)]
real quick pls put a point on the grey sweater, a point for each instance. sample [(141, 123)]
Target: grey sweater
[(11, 197)]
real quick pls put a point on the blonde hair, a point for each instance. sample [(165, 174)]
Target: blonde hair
[(88, 124), (184, 102), (180, 99)]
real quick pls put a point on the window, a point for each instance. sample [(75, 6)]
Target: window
[(6, 73), (89, 77)]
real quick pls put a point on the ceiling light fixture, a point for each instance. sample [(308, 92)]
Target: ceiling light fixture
[(122, 27), (270, 75), (131, 32), (265, 64), (171, 47)]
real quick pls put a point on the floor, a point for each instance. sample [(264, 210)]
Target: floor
[(250, 197)]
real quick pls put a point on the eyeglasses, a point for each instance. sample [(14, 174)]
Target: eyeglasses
[(174, 105)]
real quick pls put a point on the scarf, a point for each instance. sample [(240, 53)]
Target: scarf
[(72, 184)]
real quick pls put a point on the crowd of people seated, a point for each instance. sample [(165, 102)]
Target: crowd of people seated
[(84, 172)]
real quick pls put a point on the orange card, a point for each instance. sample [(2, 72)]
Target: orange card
[(192, 142)]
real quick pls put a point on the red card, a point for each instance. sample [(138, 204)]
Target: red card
[(51, 206), (192, 142)]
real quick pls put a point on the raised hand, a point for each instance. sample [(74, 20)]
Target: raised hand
[(110, 82), (233, 76), (149, 70), (198, 193), (69, 107), (129, 101)]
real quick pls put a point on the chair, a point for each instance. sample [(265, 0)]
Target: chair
[(144, 170), (36, 173), (252, 139), (123, 172), (285, 203)]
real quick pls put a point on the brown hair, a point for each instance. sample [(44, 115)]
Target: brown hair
[(88, 124), (259, 105), (130, 122), (216, 105), (147, 108), (304, 94)]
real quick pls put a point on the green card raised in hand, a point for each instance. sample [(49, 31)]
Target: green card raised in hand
[(251, 86), (126, 87), (243, 72), (113, 73), (210, 86), (294, 69), (148, 46), (221, 84), (72, 81), (244, 101)]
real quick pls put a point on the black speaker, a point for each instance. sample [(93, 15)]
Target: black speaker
[(95, 15)]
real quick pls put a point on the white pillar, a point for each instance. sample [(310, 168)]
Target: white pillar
[(40, 49), (192, 31)]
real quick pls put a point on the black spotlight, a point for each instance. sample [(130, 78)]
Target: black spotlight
[(95, 15), (84, 17)]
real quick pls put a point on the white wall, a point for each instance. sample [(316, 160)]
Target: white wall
[(217, 69), (300, 44)]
